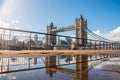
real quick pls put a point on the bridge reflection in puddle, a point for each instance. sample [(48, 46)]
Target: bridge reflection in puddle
[(60, 67)]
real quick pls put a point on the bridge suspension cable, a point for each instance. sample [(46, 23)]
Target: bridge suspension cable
[(96, 36)]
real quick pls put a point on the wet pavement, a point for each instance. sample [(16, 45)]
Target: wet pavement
[(60, 67)]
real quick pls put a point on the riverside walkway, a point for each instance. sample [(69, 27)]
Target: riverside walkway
[(54, 52)]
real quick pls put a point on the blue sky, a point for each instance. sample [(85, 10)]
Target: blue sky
[(35, 15)]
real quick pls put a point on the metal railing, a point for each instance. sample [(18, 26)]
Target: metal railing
[(22, 39)]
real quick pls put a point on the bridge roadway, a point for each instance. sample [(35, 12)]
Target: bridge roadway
[(54, 52), (65, 28)]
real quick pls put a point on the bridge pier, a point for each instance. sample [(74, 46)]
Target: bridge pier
[(51, 37)]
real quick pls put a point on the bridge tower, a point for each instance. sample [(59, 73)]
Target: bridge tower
[(82, 67), (81, 25), (51, 39), (50, 62)]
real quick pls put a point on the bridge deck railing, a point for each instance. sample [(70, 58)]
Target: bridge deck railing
[(22, 39)]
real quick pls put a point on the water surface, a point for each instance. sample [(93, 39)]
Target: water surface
[(59, 67)]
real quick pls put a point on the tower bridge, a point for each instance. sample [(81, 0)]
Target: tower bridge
[(14, 38), (81, 35), (80, 23)]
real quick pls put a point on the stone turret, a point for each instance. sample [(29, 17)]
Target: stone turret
[(81, 25), (50, 38)]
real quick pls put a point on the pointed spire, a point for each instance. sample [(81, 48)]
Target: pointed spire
[(81, 16), (86, 21), (51, 24)]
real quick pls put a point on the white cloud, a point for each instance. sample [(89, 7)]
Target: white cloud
[(4, 24), (113, 35), (9, 25), (98, 32)]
